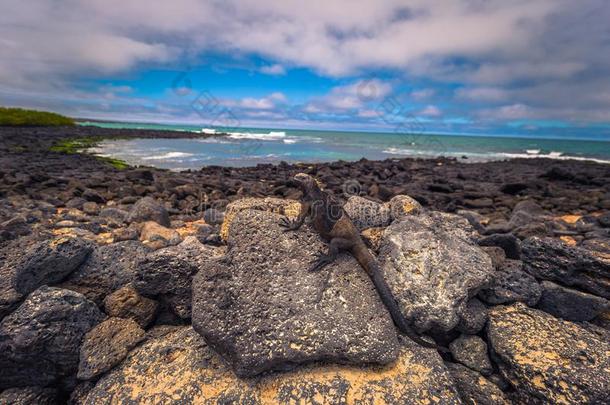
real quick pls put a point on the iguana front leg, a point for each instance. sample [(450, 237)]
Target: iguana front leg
[(334, 247), (298, 222)]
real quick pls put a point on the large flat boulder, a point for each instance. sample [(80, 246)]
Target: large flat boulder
[(433, 267), (180, 367), (40, 340), (261, 308), (551, 259), (552, 360)]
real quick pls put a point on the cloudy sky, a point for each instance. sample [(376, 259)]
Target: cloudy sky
[(535, 67)]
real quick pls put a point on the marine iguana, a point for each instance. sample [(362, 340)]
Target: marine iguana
[(333, 224)]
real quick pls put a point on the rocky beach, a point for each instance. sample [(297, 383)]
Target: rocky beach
[(124, 284)]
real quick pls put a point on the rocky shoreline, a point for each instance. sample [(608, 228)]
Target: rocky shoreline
[(142, 285)]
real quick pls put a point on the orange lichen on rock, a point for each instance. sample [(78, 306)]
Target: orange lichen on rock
[(568, 240), (189, 228), (570, 219), (550, 358), (373, 237), (180, 367)]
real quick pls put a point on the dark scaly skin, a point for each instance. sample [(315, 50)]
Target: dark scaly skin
[(333, 224)]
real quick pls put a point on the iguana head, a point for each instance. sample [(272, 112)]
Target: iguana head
[(306, 182)]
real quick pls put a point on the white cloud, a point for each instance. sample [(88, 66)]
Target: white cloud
[(431, 111), (264, 103), (550, 55), (351, 96), (508, 112), (275, 70), (368, 114), (422, 94), (482, 94), (335, 38)]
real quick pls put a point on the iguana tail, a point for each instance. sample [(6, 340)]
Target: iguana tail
[(371, 266)]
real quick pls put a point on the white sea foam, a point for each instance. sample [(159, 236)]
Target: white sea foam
[(209, 131), (269, 136), (487, 156), (532, 151), (168, 155), (290, 141), (213, 140), (556, 156)]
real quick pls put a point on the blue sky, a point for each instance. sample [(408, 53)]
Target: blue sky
[(536, 67)]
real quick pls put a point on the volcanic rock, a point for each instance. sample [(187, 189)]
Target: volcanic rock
[(471, 351), (261, 308), (474, 389), (107, 269), (40, 341), (433, 267), (571, 305), (148, 209), (180, 367), (106, 345), (551, 259), (127, 303), (509, 283), (552, 360)]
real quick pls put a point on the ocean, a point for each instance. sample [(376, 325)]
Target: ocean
[(251, 146)]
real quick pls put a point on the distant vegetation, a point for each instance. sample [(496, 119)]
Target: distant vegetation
[(18, 117)]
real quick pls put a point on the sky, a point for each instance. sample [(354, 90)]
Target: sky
[(527, 67)]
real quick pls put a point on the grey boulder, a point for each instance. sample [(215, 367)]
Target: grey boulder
[(106, 345), (551, 259), (548, 359), (29, 396), (473, 317), (471, 351), (148, 209), (40, 341), (107, 269), (510, 284), (366, 213), (569, 304), (46, 262), (261, 309), (168, 274), (474, 389), (433, 268)]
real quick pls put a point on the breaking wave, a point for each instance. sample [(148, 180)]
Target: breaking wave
[(168, 155)]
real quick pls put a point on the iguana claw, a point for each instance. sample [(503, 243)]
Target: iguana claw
[(320, 262)]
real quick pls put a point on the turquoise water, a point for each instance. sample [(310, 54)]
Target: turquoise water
[(250, 146)]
